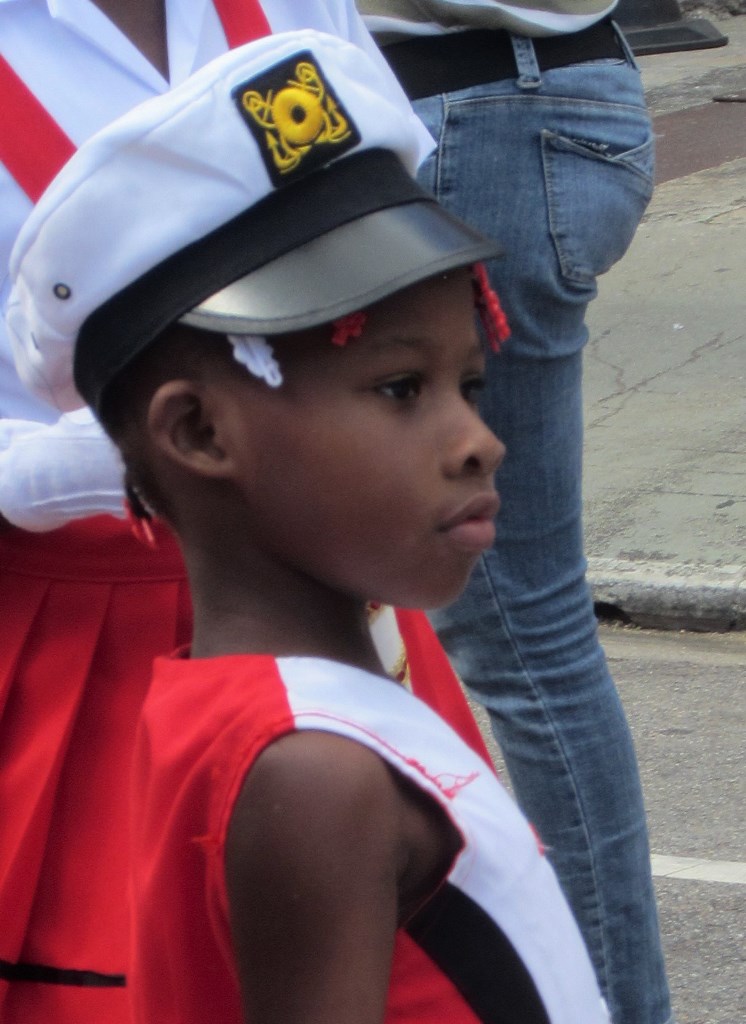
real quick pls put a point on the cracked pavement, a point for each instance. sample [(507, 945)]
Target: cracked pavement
[(665, 367)]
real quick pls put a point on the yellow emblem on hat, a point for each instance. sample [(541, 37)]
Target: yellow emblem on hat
[(295, 118)]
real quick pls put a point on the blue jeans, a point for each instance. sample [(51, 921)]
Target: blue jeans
[(560, 171)]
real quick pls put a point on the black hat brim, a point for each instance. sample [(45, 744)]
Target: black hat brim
[(330, 244), (343, 270)]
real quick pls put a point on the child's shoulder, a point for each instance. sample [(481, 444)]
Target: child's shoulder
[(226, 710), (185, 689), (203, 693)]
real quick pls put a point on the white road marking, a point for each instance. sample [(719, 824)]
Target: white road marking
[(699, 870)]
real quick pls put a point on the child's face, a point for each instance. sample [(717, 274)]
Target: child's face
[(370, 469)]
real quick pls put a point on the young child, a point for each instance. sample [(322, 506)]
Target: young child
[(283, 346)]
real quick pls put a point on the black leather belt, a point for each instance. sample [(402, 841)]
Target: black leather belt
[(426, 65)]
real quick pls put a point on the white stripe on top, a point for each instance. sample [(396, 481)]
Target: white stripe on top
[(501, 867)]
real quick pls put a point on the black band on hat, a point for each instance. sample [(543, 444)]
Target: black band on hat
[(129, 321)]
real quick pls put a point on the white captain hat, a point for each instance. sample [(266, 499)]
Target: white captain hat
[(271, 192)]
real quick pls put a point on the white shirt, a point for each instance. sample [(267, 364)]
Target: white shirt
[(525, 17)]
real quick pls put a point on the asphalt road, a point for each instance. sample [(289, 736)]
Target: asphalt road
[(685, 698)]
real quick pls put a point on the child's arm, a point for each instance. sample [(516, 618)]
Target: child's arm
[(325, 851)]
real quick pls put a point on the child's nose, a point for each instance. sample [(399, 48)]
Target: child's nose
[(477, 450)]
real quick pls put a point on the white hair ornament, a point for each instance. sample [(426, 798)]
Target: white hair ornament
[(257, 355)]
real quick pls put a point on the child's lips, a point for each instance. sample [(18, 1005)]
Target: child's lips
[(472, 526)]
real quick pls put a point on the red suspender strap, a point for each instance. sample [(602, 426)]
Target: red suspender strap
[(32, 145), (242, 21)]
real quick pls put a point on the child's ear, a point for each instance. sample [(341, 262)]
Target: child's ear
[(183, 421)]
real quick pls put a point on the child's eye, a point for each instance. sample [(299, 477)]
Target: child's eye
[(402, 388), (472, 389)]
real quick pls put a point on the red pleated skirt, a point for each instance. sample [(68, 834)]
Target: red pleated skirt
[(83, 612)]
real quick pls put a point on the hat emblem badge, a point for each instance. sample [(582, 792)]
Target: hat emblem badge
[(296, 117)]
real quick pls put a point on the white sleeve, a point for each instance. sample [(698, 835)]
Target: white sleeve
[(50, 475)]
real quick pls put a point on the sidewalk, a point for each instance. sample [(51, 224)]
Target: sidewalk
[(665, 371)]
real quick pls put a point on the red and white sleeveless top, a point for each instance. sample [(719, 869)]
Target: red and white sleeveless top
[(497, 944)]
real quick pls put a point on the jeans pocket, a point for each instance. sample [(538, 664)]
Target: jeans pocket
[(596, 197)]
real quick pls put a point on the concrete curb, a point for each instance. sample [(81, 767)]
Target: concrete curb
[(666, 595)]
